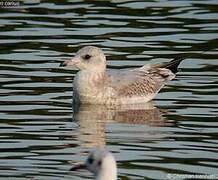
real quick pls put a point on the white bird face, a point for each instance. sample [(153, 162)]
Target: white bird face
[(88, 58), (95, 160), (100, 162)]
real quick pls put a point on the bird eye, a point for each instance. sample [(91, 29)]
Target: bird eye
[(99, 163), (90, 160), (87, 57)]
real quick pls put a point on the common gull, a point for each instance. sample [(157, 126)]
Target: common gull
[(94, 84)]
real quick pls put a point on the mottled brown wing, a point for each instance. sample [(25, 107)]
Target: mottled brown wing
[(141, 81)]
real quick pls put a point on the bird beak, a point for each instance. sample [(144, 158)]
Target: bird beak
[(73, 62), (78, 167)]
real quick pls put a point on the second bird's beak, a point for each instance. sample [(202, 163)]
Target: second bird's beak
[(78, 167), (71, 62)]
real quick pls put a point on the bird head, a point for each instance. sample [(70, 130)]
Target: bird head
[(88, 58)]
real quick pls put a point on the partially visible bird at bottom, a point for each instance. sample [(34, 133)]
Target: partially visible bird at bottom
[(101, 163)]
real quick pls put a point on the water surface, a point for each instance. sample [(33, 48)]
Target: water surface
[(41, 134)]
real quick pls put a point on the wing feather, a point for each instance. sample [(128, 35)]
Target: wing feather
[(139, 82)]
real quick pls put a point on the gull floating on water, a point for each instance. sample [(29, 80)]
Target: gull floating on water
[(100, 162), (93, 84)]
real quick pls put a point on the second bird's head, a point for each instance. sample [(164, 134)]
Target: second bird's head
[(100, 162)]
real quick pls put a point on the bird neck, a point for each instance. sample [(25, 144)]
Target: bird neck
[(92, 77), (108, 170), (88, 84), (107, 174), (97, 71)]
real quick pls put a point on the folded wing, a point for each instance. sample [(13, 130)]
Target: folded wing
[(143, 81)]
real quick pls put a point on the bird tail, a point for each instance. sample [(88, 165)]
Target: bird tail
[(173, 65)]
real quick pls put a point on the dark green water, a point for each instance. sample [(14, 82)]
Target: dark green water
[(40, 136)]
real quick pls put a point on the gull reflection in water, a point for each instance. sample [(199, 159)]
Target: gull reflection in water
[(92, 120)]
